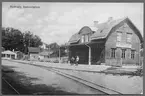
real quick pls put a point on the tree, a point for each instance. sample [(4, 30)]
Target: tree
[(63, 50), (12, 39), (15, 39), (31, 40), (54, 47)]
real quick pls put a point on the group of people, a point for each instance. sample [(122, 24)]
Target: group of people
[(74, 60)]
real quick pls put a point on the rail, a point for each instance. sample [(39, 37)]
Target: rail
[(80, 80), (10, 85)]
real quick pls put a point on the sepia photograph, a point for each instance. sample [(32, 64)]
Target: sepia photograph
[(72, 48)]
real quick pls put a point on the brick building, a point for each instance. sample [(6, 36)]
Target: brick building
[(114, 42)]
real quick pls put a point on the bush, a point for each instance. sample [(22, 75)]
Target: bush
[(139, 72), (56, 61)]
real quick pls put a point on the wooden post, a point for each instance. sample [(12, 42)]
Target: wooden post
[(15, 56), (10, 56), (69, 54), (59, 54), (139, 56), (89, 55), (89, 61)]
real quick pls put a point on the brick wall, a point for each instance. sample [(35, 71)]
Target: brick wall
[(111, 43)]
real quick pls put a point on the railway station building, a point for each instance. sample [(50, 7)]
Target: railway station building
[(114, 42)]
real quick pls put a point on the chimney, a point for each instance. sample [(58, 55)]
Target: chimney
[(110, 19), (95, 23)]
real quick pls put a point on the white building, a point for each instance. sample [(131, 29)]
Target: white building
[(9, 54)]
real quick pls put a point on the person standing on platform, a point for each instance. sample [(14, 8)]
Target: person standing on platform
[(72, 61), (77, 60)]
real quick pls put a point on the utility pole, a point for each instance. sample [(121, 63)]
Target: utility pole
[(49, 50), (59, 55), (29, 42)]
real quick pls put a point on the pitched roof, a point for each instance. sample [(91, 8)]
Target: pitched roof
[(33, 49), (8, 52), (74, 38), (45, 53), (103, 30), (85, 30)]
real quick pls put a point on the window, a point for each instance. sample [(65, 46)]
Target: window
[(123, 53), (113, 52), (119, 35), (132, 54), (86, 38), (3, 55), (8, 55), (129, 37), (83, 39)]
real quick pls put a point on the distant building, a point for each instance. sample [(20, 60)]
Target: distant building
[(20, 55), (33, 53), (114, 42), (45, 54), (9, 54), (43, 46)]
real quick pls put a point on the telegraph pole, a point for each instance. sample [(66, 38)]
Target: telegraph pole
[(59, 55)]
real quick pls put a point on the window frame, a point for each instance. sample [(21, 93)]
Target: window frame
[(123, 55), (130, 38), (82, 39), (119, 36), (86, 38), (132, 54), (113, 52)]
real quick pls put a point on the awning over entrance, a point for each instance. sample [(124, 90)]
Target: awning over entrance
[(87, 52), (92, 44)]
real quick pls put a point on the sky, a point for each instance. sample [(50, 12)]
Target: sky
[(57, 22)]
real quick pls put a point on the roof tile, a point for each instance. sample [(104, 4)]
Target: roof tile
[(102, 30), (33, 49)]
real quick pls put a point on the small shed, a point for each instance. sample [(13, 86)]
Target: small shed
[(44, 55), (19, 54), (9, 54), (33, 53)]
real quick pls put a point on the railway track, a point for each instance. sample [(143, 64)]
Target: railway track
[(87, 83), (14, 90)]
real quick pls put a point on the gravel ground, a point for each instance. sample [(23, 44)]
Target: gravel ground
[(29, 79), (125, 84)]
